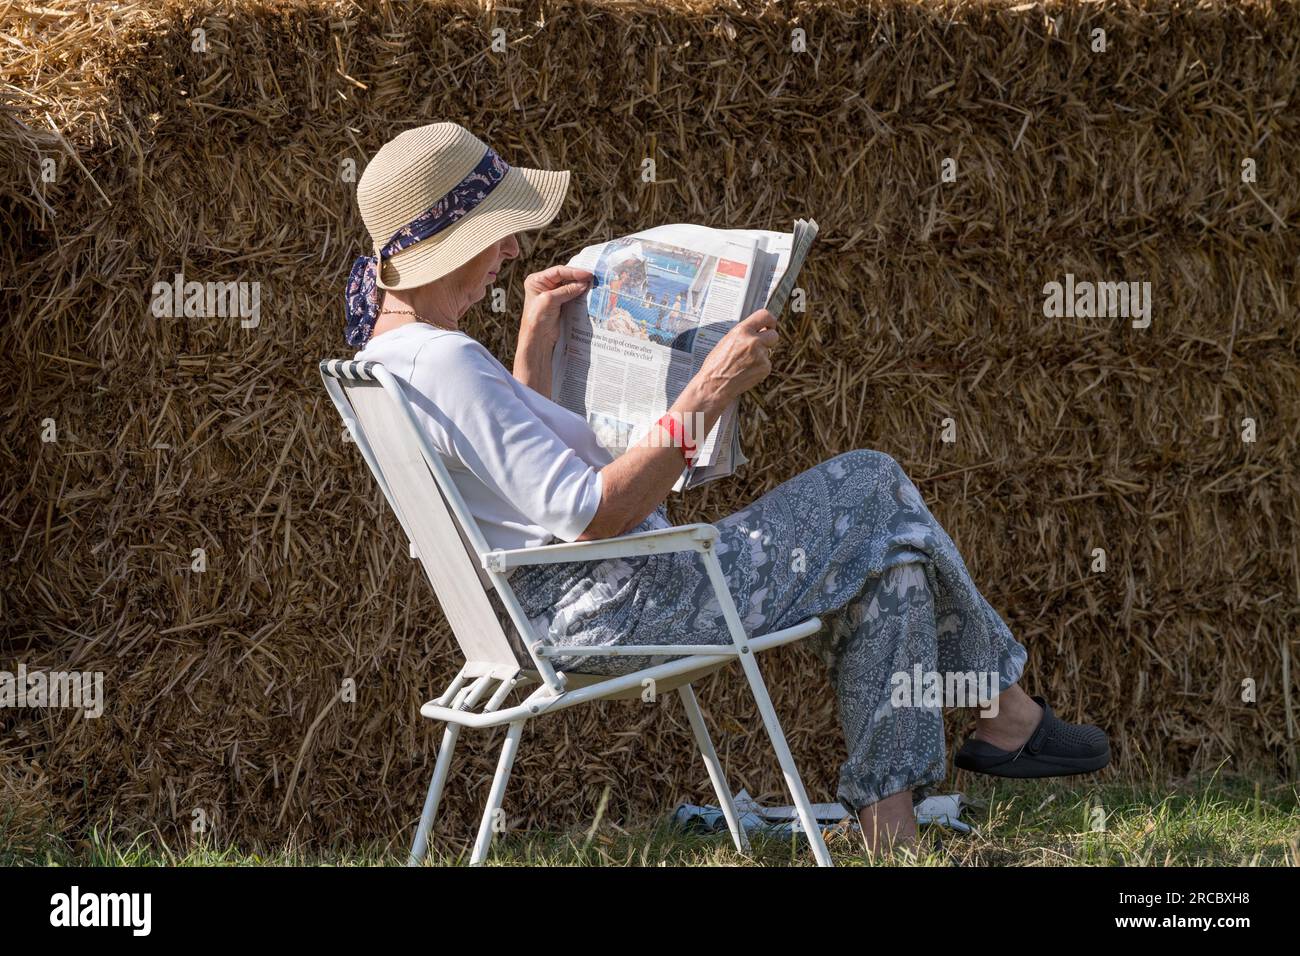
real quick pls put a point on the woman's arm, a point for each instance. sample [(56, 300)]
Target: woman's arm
[(533, 356), (637, 482), (539, 326)]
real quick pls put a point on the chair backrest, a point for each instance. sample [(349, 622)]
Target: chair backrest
[(426, 501)]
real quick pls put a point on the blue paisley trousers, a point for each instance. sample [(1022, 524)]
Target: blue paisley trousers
[(850, 541)]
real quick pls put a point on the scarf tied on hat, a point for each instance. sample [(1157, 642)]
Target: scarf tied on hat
[(361, 296)]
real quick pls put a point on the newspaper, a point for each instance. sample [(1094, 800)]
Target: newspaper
[(660, 301), (945, 809)]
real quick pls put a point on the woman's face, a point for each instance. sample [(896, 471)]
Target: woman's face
[(469, 283)]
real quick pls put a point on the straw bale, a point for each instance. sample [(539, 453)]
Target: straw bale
[(925, 303)]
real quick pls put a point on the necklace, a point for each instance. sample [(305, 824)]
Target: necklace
[(420, 318)]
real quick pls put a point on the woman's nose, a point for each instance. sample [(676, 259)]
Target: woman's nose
[(510, 247)]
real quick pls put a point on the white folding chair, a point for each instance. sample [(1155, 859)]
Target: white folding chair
[(461, 568)]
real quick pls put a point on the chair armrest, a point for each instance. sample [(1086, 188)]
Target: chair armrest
[(687, 537)]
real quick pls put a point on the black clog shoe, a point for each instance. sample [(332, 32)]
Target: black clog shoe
[(1055, 749)]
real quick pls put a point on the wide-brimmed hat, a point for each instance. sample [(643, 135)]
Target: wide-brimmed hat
[(434, 197)]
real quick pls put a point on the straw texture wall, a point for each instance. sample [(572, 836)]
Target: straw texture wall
[(925, 303)]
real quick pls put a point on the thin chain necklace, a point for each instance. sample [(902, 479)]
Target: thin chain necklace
[(420, 318)]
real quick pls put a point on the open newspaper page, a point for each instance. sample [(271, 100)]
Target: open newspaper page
[(660, 302), (778, 257), (771, 250)]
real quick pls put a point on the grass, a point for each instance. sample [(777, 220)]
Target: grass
[(1216, 822)]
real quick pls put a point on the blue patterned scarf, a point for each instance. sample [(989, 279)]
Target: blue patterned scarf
[(361, 297)]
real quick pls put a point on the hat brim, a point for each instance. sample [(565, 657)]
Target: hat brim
[(525, 199)]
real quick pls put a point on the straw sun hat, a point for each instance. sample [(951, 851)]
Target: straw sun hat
[(432, 198)]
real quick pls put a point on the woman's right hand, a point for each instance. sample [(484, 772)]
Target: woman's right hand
[(740, 360)]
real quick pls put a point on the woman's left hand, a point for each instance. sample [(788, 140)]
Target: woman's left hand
[(545, 292)]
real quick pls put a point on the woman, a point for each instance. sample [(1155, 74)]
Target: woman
[(850, 540)]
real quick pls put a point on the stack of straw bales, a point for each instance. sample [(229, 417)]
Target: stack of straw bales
[(231, 163)]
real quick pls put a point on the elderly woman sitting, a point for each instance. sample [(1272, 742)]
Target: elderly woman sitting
[(850, 540)]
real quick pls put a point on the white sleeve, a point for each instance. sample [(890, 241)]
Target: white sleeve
[(498, 438)]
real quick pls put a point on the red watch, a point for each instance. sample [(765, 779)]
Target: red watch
[(669, 423)]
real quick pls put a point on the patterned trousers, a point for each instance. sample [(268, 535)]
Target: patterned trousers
[(850, 541)]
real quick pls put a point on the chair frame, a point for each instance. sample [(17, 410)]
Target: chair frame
[(459, 704)]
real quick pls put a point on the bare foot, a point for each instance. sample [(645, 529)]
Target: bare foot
[(1018, 717), (889, 823)]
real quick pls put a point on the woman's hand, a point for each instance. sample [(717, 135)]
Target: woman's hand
[(545, 292), (738, 362), (539, 326)]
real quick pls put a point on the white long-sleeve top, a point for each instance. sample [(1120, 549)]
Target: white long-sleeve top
[(528, 469)]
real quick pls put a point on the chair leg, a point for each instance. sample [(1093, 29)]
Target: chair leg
[(497, 794), (788, 768), (714, 766), (421, 845)]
